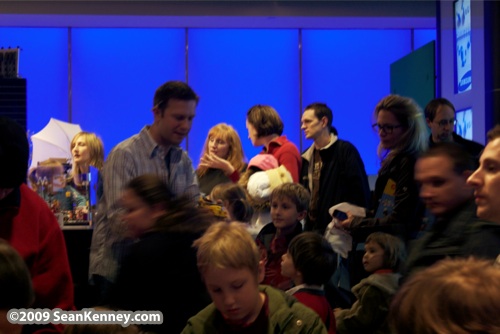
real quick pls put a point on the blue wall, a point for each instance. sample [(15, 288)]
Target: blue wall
[(114, 73)]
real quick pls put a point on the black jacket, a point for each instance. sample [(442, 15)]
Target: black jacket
[(342, 179), (471, 147), (407, 213)]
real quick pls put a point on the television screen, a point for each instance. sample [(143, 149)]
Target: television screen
[(463, 126), (463, 46)]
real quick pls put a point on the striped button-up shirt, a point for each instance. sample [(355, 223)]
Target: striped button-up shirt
[(137, 155)]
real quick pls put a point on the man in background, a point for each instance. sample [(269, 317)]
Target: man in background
[(155, 150), (442, 174), (440, 117), (486, 183), (332, 169)]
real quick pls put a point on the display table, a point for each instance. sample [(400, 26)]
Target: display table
[(78, 239)]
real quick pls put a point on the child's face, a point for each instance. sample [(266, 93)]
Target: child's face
[(374, 257), (235, 293), (287, 266), (139, 216), (284, 213)]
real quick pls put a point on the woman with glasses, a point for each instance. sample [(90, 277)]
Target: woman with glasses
[(396, 206)]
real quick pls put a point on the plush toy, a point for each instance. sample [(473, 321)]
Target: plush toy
[(261, 184)]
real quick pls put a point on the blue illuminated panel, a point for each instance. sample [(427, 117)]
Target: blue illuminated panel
[(115, 74), (234, 69), (43, 63), (464, 123), (422, 37), (349, 71)]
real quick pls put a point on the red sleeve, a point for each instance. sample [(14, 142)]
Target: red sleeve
[(42, 245), (290, 163), (235, 176)]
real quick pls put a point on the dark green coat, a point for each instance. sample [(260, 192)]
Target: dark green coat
[(286, 315)]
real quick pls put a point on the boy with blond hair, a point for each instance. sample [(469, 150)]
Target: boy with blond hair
[(289, 203), (229, 262)]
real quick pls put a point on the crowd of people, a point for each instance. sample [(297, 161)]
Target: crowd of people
[(239, 247)]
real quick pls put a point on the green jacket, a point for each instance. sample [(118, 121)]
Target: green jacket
[(369, 313), (286, 315)]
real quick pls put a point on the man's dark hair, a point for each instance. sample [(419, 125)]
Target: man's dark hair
[(461, 159), (432, 107), (314, 257), (494, 133), (321, 110), (173, 90), (265, 120)]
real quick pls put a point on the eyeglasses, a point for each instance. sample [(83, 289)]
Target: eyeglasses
[(388, 129), (444, 122)]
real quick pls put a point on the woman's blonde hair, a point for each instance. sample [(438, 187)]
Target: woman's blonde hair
[(414, 139), (227, 245), (458, 296), (235, 155), (96, 153)]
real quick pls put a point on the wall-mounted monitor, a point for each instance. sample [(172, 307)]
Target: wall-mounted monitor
[(463, 47), (463, 126)]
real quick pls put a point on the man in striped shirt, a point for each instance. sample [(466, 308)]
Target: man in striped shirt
[(155, 150)]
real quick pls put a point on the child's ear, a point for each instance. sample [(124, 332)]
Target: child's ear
[(301, 215), (262, 271)]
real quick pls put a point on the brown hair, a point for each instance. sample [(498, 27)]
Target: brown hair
[(295, 192), (181, 213), (16, 290), (432, 107), (237, 199), (227, 245), (313, 257), (458, 296), (394, 249), (265, 120), (494, 133)]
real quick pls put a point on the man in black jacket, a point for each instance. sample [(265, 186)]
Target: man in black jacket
[(442, 174), (332, 169), (440, 117)]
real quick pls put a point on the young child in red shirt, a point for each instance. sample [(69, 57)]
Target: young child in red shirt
[(310, 262), (289, 204)]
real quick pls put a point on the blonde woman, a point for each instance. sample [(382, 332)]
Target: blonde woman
[(87, 151), (222, 159)]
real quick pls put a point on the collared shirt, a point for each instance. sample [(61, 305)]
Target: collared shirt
[(137, 155), (293, 290), (287, 155), (308, 155)]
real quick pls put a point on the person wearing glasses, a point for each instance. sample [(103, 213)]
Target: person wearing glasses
[(396, 208), (440, 117)]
